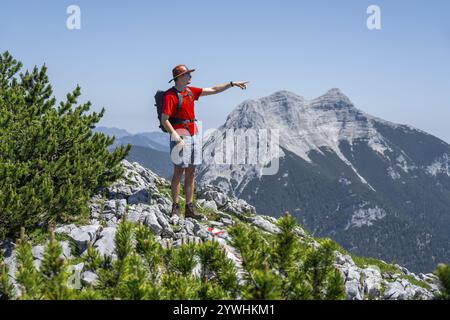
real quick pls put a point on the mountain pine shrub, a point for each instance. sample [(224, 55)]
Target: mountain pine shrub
[(144, 269), (51, 162), (281, 267), (443, 273), (7, 290)]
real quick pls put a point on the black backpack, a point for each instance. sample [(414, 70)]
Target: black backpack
[(159, 98)]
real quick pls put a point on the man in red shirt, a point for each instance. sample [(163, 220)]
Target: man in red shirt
[(185, 143)]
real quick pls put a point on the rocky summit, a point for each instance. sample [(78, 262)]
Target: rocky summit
[(143, 197), (378, 188)]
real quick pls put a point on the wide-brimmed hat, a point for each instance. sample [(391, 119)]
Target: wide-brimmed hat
[(179, 71)]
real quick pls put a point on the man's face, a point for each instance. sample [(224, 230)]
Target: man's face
[(186, 78)]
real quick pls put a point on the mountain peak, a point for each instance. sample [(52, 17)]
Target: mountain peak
[(334, 95), (334, 91), (285, 94), (288, 110)]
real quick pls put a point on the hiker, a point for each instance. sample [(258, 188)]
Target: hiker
[(178, 119)]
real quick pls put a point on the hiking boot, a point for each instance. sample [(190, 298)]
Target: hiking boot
[(190, 212), (176, 209)]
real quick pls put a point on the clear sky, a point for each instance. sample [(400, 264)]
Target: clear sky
[(125, 51)]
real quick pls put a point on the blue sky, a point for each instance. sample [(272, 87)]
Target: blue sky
[(125, 51)]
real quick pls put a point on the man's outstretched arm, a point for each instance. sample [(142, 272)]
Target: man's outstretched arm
[(223, 87)]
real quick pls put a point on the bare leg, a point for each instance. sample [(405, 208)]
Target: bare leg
[(175, 186), (189, 180)]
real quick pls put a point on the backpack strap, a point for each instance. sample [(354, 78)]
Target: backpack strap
[(180, 104), (190, 92), (180, 97), (180, 101)]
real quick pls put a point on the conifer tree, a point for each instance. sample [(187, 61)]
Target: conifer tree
[(133, 283), (286, 250), (27, 276), (317, 265), (54, 273), (150, 249), (335, 289), (144, 270), (51, 161), (7, 290), (176, 287), (181, 260), (286, 269), (92, 260), (109, 278), (443, 273), (216, 267)]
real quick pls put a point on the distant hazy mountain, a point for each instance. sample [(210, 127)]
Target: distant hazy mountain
[(158, 137), (158, 161), (118, 133), (150, 149), (143, 141), (155, 140), (378, 188)]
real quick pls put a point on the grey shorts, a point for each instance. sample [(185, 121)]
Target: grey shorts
[(190, 154)]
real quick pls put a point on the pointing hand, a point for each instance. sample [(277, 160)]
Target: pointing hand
[(241, 84)]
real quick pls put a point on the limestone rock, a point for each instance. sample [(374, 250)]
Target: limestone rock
[(81, 235), (106, 242), (264, 224), (89, 278)]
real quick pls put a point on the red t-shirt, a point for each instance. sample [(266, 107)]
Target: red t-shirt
[(170, 105)]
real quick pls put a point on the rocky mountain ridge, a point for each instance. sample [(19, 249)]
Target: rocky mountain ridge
[(377, 188), (143, 197)]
